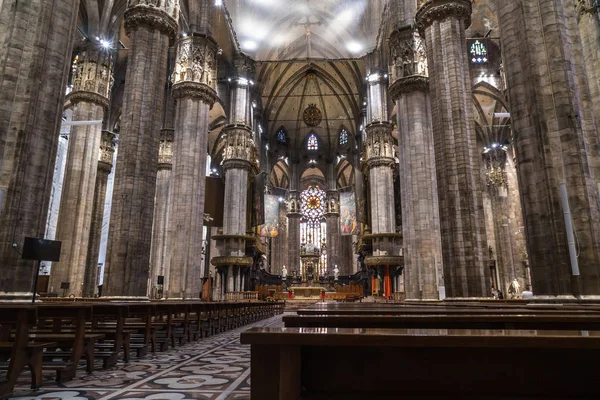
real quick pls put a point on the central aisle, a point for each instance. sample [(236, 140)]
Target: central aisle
[(216, 368)]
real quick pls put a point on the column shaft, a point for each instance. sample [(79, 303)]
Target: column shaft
[(161, 248), (34, 61), (189, 176), (556, 142), (419, 196), (442, 23), (128, 256), (293, 234), (77, 200)]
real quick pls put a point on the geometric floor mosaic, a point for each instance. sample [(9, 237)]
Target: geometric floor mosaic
[(216, 368)]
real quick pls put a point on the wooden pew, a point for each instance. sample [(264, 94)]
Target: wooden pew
[(19, 352), (365, 309), (338, 363), (68, 330), (453, 321)]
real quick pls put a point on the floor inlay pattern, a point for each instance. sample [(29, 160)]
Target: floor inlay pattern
[(216, 368)]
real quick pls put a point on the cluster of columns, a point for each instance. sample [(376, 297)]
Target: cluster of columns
[(423, 276), (385, 258), (79, 224), (34, 59), (556, 138), (332, 221), (240, 166), (442, 24), (152, 31)]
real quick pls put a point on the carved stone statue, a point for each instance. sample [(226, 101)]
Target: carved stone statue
[(284, 272), (336, 272)]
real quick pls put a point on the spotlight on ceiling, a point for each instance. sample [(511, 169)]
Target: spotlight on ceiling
[(354, 47), (249, 45), (105, 44)]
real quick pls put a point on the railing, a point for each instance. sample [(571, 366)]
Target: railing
[(241, 296)]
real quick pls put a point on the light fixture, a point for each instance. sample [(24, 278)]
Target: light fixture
[(354, 47), (184, 34), (105, 43), (249, 45)]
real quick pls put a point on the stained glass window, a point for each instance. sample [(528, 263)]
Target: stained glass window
[(281, 136), (479, 53), (343, 137), (313, 229), (313, 142)]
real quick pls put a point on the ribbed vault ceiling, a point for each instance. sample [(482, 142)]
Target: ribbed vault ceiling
[(299, 29), (287, 89)]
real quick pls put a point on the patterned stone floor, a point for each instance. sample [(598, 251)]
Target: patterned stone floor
[(217, 368)]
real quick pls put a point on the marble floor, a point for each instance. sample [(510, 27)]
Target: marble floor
[(216, 368)]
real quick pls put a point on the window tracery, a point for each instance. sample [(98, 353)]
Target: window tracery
[(479, 52), (282, 136), (313, 228), (313, 142), (343, 137)]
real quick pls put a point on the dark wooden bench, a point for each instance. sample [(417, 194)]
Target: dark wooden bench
[(452, 321), (339, 363), (362, 309), (73, 343), (16, 351)]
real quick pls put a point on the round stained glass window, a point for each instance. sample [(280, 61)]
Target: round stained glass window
[(313, 205)]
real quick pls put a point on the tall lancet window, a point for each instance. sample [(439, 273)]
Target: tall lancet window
[(313, 142), (282, 136), (343, 137), (479, 53), (313, 229)]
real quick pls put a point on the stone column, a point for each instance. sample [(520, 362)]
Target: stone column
[(506, 218), (105, 163), (555, 141), (35, 57), (379, 154), (240, 164), (442, 23), (588, 17), (152, 30), (92, 81), (194, 80), (332, 219), (418, 187), (293, 232), (161, 248)]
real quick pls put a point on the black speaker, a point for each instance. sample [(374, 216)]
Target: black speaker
[(65, 285), (160, 280), (41, 249)]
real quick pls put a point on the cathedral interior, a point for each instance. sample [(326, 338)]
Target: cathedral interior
[(406, 153)]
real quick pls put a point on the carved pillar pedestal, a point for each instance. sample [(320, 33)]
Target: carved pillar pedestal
[(105, 164), (442, 23), (418, 187), (92, 81), (152, 30)]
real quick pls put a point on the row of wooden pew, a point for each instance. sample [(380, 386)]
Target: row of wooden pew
[(58, 336), (454, 350)]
